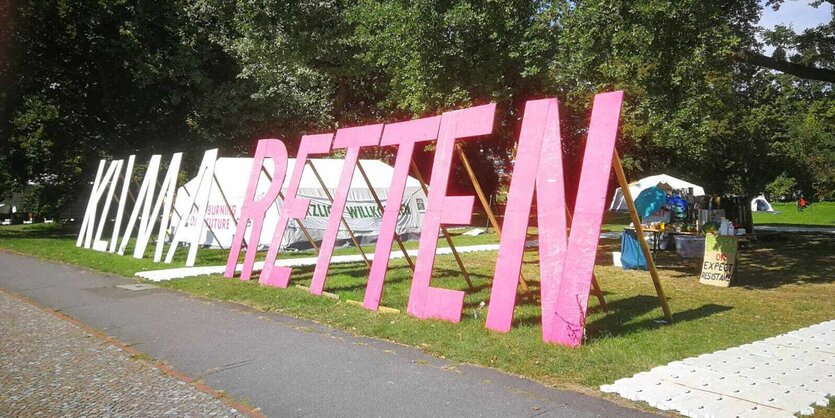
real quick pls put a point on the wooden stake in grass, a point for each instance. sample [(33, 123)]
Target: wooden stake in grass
[(639, 231), (448, 239), (489, 211), (380, 206)]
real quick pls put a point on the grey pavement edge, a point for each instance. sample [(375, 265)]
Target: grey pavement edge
[(284, 366)]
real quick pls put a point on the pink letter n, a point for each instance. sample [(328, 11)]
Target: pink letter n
[(566, 265)]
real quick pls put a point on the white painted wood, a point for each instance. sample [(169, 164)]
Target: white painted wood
[(197, 205), (179, 273), (86, 220), (123, 199), (143, 199), (98, 244), (164, 201), (88, 224)]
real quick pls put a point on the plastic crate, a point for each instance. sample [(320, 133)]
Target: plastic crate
[(690, 246)]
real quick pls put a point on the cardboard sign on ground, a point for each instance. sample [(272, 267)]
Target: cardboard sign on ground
[(719, 261)]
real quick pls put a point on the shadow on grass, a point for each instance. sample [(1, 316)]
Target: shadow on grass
[(772, 261), (360, 272), (617, 322), (622, 313), (39, 231)]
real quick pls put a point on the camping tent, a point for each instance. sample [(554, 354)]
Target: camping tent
[(759, 204), (635, 188), (361, 211)]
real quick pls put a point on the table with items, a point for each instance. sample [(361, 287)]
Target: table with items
[(677, 219)]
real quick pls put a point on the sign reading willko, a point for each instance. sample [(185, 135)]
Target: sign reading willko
[(720, 260)]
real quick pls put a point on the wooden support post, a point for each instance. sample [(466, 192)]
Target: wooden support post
[(463, 269), (341, 217), (382, 209), (486, 205), (595, 290), (639, 231), (301, 225)]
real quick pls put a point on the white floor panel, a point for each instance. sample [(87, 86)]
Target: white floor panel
[(776, 377)]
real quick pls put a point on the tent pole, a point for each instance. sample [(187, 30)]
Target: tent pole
[(488, 210), (382, 209), (466, 274), (341, 217), (639, 231), (301, 225)]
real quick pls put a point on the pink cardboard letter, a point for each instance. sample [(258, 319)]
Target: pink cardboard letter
[(292, 208), (351, 139), (570, 318), (426, 301), (255, 210), (539, 163), (406, 135)]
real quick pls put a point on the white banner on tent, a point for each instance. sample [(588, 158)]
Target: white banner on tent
[(361, 213)]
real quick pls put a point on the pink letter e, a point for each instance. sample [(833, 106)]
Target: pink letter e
[(426, 301)]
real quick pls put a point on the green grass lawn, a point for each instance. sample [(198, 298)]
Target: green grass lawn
[(818, 214), (784, 282)]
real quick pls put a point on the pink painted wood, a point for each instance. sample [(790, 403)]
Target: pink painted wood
[(577, 271), (538, 166), (292, 208), (255, 210), (550, 205), (424, 300), (405, 135), (352, 139)]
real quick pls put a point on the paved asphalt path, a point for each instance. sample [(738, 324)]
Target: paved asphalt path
[(52, 367), (285, 366)]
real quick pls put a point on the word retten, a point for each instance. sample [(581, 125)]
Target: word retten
[(566, 261)]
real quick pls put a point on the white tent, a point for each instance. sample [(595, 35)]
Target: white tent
[(635, 188), (759, 204), (361, 211)]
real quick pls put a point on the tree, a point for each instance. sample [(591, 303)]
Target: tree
[(812, 56), (437, 56), (781, 187), (692, 109), (103, 79)]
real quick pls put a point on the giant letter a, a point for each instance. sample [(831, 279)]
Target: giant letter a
[(566, 264)]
